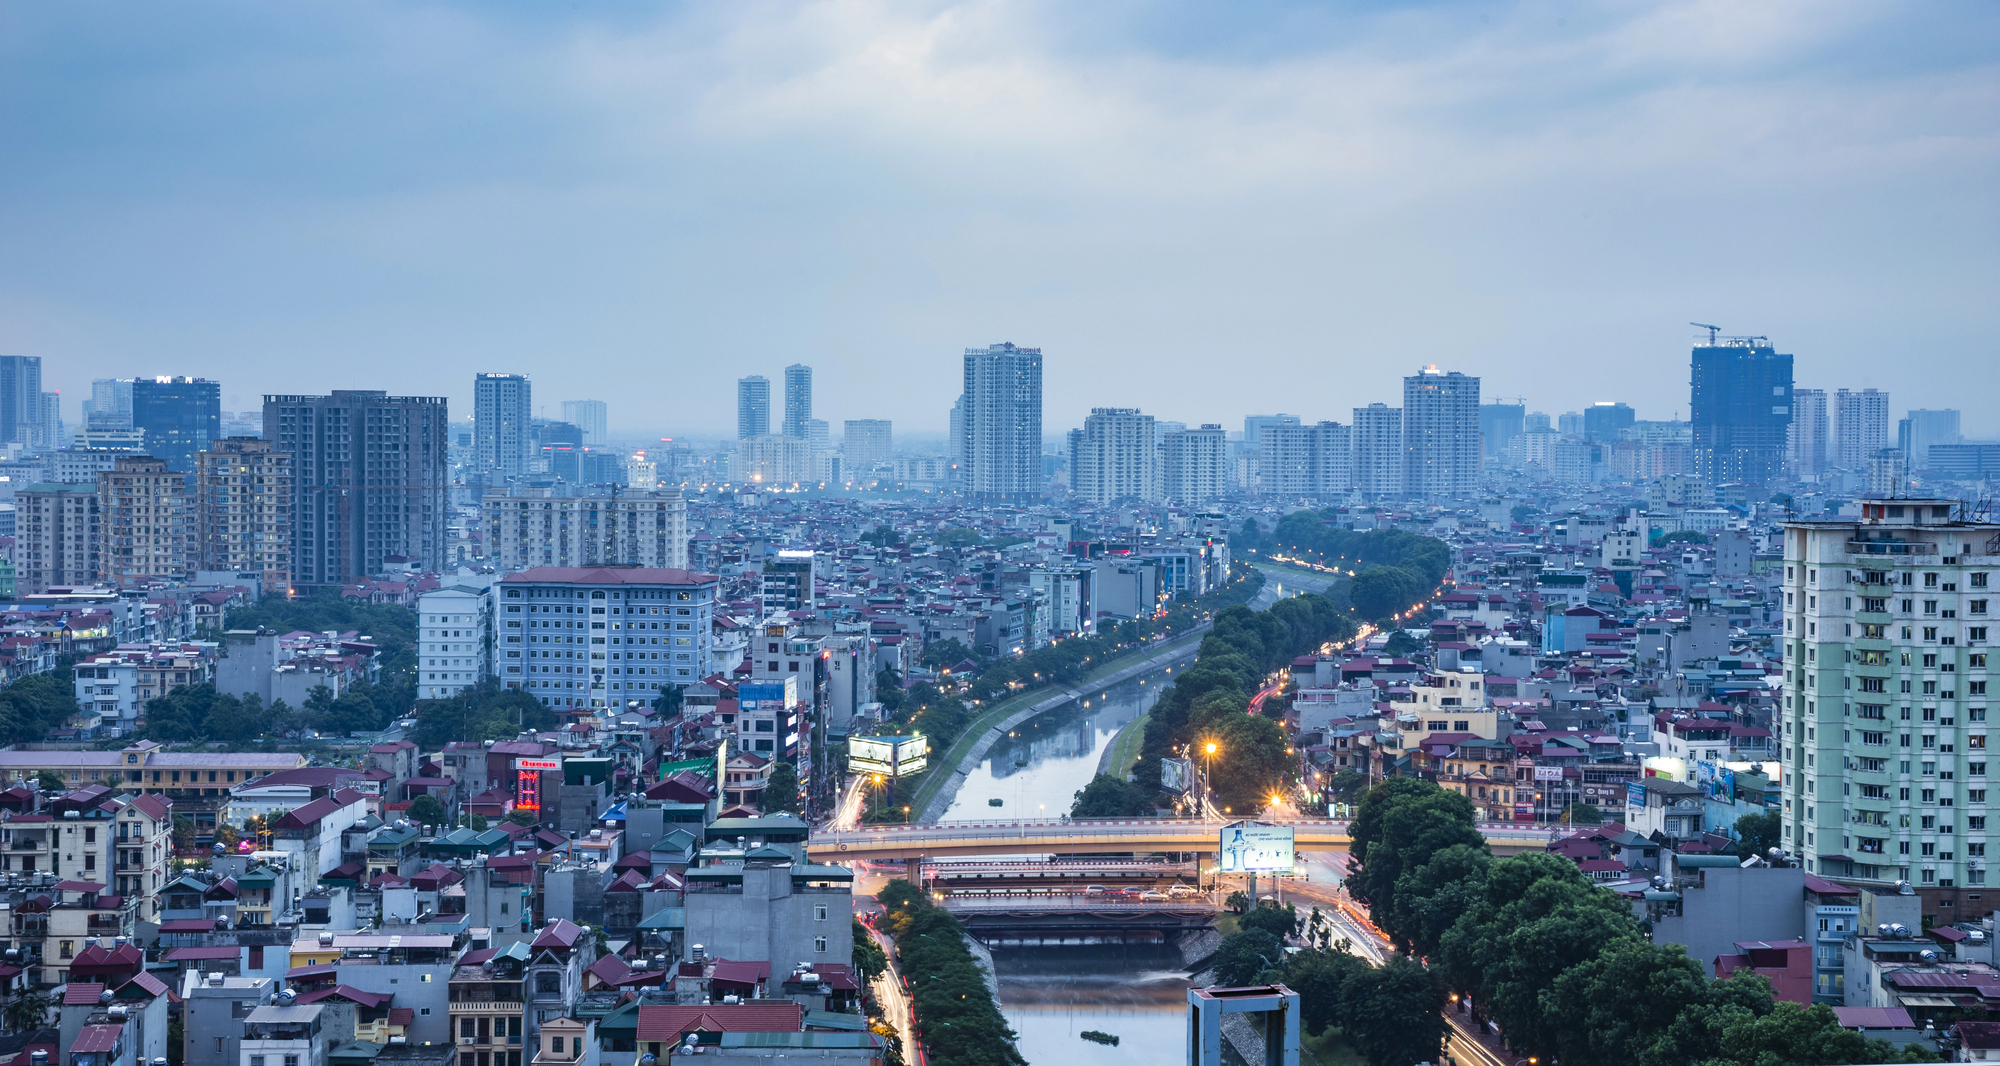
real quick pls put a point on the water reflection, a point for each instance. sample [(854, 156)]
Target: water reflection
[(1052, 994), (1036, 771)]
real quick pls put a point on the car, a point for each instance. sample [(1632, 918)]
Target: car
[(1179, 891), (1153, 895), (1093, 890)]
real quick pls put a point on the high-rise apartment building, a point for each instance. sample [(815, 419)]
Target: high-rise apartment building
[(1806, 442), (1499, 423), (772, 460), (549, 645), (1002, 453), (1314, 461), (1860, 426), (50, 433), (57, 536), (1441, 434), (1377, 443), (242, 509), (368, 480), (20, 399), (1740, 401), (1194, 464), (798, 400), (958, 435), (503, 421), (1920, 429), (1884, 723), (1255, 425), (453, 626), (1116, 457), (1606, 421), (753, 407), (539, 527), (110, 403), (148, 529), (588, 416), (866, 443), (179, 415), (787, 581)]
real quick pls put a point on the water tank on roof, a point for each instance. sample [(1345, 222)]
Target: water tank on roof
[(1928, 955)]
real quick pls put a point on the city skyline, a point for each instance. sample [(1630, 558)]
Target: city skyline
[(1558, 240)]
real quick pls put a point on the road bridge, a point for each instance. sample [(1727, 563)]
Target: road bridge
[(1077, 919), (1103, 836)]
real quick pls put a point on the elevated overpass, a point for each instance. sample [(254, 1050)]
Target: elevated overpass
[(1083, 836)]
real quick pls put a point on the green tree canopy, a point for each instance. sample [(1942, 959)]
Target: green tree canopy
[(781, 792), (1757, 834), (1110, 797), (426, 810)]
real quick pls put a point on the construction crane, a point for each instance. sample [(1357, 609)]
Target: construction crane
[(1712, 331)]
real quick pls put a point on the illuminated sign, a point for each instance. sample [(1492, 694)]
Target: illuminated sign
[(1255, 849), (537, 764), (750, 697), (1548, 773), (888, 756)]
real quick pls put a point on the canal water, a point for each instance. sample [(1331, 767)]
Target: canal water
[(1050, 995)]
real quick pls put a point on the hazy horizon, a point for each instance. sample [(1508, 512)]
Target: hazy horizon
[(1201, 212)]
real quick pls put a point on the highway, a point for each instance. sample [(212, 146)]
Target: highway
[(1052, 836)]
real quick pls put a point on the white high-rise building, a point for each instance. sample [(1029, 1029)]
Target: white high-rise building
[(753, 407), (110, 403), (1807, 439), (540, 528), (1917, 432), (1860, 427), (1305, 461), (1194, 464), (1377, 444), (1883, 730), (865, 443), (453, 626), (1002, 451), (1441, 434), (772, 460), (589, 416), (818, 436), (1117, 457), (503, 440), (798, 400)]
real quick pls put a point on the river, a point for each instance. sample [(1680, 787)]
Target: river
[(1137, 992)]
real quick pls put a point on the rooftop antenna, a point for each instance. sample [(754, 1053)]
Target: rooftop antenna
[(1712, 331)]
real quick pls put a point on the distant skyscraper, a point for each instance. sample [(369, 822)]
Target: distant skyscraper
[(818, 436), (1003, 422), (958, 436), (798, 399), (1604, 421), (1305, 461), (1116, 457), (1194, 464), (243, 493), (865, 443), (20, 398), (1255, 425), (368, 481), (147, 530), (589, 416), (1740, 402), (1377, 444), (1860, 426), (181, 416), (1499, 423), (1920, 429), (1537, 422), (753, 407), (502, 424), (1807, 438), (110, 403), (1441, 434), (561, 447)]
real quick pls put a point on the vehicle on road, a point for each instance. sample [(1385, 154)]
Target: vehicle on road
[(1180, 891), (1153, 895), (1093, 890)]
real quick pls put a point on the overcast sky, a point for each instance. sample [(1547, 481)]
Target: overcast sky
[(1201, 210)]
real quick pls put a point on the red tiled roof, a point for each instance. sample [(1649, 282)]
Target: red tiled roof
[(81, 993), (347, 992), (771, 1016), (740, 973), (97, 1038)]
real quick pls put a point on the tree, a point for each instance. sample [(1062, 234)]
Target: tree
[(668, 703), (522, 818), (1402, 823), (1319, 976), (1401, 644), (1383, 591), (426, 810), (1757, 834), (1582, 814), (1347, 786), (1679, 536), (1278, 921), (1250, 763), (1242, 956), (946, 653), (1611, 1009), (1521, 512), (25, 1011), (227, 835), (781, 790), (1110, 797), (869, 960), (1393, 1013), (183, 833), (36, 704), (50, 781)]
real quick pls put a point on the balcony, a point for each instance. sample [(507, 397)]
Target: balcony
[(1889, 547)]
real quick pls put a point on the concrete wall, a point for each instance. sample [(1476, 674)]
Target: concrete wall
[(767, 921), (1732, 905)]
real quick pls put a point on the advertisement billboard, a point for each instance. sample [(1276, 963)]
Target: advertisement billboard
[(888, 756), (1255, 849), (1176, 775), (1548, 773), (750, 697), (1635, 794)]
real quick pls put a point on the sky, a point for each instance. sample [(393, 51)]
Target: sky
[(1200, 210)]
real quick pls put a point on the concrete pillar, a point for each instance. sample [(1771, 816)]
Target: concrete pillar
[(913, 869)]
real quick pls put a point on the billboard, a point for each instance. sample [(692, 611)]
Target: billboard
[(537, 764), (1176, 775), (1255, 849), (888, 756), (1548, 773), (1635, 794), (750, 697)]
